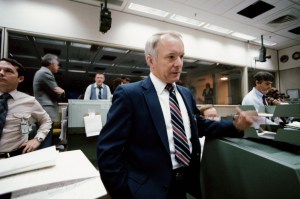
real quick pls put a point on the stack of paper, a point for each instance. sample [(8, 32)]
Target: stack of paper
[(294, 125), (29, 161), (73, 176)]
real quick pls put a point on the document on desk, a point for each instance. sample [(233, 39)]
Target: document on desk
[(30, 161), (92, 124), (72, 168), (267, 134)]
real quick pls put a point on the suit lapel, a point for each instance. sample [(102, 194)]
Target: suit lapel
[(155, 111)]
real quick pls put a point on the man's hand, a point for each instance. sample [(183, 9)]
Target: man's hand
[(30, 145), (244, 119), (59, 90)]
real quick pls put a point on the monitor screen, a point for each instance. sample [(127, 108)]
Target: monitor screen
[(293, 93)]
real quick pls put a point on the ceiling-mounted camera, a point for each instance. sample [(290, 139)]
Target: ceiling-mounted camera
[(262, 52), (105, 18)]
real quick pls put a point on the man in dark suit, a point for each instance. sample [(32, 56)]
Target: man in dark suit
[(136, 149), (46, 90)]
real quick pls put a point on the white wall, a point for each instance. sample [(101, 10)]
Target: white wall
[(291, 63), (64, 18)]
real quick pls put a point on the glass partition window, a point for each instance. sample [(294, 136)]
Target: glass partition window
[(216, 84), (81, 60)]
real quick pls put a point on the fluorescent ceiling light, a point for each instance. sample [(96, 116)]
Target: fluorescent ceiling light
[(79, 45), (267, 43), (115, 50), (76, 71), (217, 29), (148, 10), (189, 60), (186, 20), (224, 78), (50, 41), (79, 61), (204, 62), (243, 36)]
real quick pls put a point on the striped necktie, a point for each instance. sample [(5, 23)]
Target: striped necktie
[(3, 110), (182, 151)]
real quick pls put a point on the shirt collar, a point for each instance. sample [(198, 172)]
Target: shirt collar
[(158, 84), (96, 86), (257, 92), (13, 93)]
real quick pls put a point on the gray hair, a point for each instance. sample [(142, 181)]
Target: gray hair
[(151, 44), (49, 59)]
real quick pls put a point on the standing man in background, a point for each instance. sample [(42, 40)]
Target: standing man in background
[(46, 90), (149, 147), (18, 111), (208, 94), (97, 90)]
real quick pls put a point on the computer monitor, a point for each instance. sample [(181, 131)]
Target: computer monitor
[(293, 93)]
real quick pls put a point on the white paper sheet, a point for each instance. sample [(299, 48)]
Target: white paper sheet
[(28, 161), (92, 124), (70, 165)]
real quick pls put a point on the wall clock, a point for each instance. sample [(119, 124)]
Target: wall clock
[(296, 55), (284, 58)]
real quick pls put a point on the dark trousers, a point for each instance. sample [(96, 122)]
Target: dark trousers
[(178, 184)]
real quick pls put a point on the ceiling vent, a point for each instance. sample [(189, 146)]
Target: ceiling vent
[(283, 19), (295, 30), (256, 9)]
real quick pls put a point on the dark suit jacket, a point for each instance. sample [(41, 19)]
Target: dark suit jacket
[(133, 150)]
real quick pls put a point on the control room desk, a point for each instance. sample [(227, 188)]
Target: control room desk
[(250, 169)]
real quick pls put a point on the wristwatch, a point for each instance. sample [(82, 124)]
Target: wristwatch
[(39, 139)]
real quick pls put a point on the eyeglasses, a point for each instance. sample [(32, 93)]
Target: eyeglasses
[(211, 117)]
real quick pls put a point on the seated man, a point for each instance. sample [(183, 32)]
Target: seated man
[(17, 111), (209, 112)]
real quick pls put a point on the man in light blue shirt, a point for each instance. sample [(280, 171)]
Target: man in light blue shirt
[(263, 83)]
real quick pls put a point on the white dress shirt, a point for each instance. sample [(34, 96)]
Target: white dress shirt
[(163, 96)]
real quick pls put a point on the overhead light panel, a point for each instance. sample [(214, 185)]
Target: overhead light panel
[(201, 62), (76, 71), (79, 45), (79, 61), (186, 20), (115, 50), (189, 60), (50, 41), (267, 43), (243, 36), (224, 78), (217, 29), (148, 10)]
